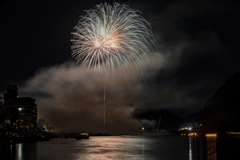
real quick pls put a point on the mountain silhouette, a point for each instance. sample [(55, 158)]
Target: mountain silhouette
[(222, 111)]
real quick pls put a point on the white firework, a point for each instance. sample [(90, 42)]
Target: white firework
[(109, 36)]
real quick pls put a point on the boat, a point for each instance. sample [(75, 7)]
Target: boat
[(125, 136), (82, 136)]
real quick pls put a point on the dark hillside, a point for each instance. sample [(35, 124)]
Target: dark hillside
[(222, 111)]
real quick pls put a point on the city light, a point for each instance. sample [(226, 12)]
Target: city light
[(193, 135), (211, 135)]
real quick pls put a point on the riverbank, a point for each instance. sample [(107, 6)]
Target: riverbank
[(10, 134)]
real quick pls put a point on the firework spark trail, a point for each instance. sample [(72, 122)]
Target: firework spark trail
[(109, 36), (104, 105)]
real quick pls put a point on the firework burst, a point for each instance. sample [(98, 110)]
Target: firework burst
[(109, 36)]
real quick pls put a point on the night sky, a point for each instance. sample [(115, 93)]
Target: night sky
[(197, 50)]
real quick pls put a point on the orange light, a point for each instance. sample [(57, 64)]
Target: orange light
[(211, 135), (193, 134)]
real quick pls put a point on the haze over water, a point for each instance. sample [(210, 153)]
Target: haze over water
[(133, 148)]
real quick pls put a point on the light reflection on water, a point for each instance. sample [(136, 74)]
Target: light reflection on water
[(190, 148), (19, 151), (116, 147), (113, 148), (196, 148), (211, 148)]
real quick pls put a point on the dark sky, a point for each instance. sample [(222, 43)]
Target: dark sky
[(197, 50)]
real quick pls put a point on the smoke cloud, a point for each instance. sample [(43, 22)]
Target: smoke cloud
[(71, 98)]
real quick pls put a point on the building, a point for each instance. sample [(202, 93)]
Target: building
[(27, 109), (10, 98), (23, 110), (4, 113)]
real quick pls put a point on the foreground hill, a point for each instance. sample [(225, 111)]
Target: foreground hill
[(222, 111)]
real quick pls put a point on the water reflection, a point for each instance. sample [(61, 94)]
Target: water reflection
[(202, 148), (19, 151), (113, 148), (211, 148), (134, 147), (190, 148), (143, 149), (10, 151), (194, 148)]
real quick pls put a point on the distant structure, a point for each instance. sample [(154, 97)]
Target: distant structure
[(12, 94), (1, 102), (18, 111)]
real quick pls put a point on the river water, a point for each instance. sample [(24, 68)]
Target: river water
[(132, 148)]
